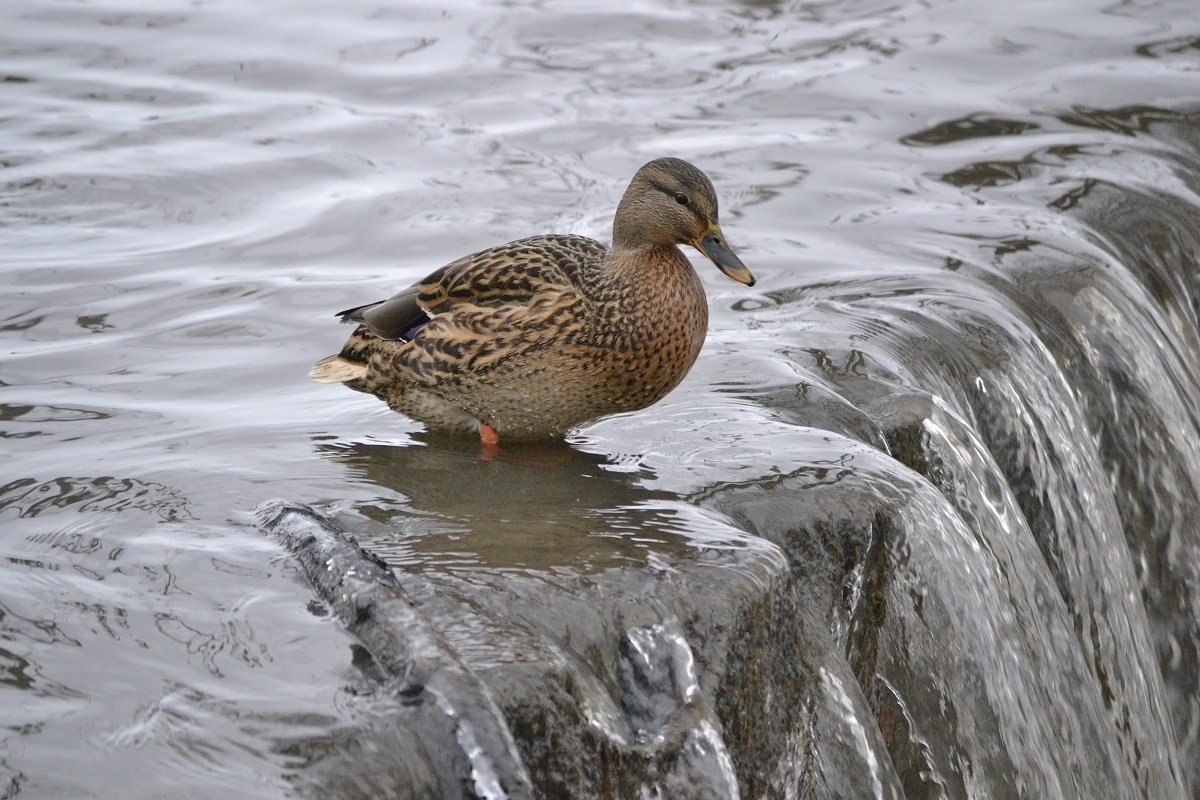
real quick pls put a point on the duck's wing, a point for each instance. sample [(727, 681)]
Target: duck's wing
[(513, 274), (458, 350)]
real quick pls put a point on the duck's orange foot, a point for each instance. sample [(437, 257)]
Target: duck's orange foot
[(488, 435)]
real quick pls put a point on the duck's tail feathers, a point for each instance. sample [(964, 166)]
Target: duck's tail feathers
[(336, 369)]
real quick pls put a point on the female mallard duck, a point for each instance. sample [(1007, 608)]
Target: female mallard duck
[(527, 339)]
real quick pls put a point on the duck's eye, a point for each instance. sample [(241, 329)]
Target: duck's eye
[(681, 198)]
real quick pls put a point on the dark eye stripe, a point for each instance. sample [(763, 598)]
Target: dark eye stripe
[(692, 207)]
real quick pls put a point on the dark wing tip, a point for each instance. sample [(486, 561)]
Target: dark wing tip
[(398, 317), (355, 314)]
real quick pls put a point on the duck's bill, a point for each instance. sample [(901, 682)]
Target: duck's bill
[(713, 245)]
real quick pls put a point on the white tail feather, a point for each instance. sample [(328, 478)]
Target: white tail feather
[(336, 369)]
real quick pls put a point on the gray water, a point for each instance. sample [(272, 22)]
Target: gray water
[(923, 521)]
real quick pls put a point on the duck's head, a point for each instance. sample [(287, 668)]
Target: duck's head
[(670, 202)]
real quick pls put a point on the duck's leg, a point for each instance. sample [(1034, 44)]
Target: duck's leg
[(488, 435)]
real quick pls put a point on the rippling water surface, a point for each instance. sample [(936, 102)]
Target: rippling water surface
[(924, 520)]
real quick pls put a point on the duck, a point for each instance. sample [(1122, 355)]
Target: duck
[(529, 339)]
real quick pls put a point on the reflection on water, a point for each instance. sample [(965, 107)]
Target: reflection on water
[(26, 497), (531, 507), (972, 126), (920, 522)]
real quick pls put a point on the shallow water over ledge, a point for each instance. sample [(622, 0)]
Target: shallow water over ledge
[(924, 520)]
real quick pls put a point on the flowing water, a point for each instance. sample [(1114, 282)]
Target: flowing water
[(923, 521)]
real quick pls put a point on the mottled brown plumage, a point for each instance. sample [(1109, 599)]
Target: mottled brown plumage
[(530, 338)]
